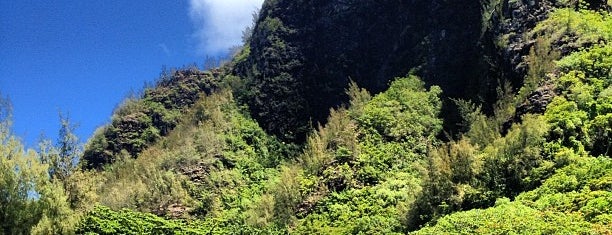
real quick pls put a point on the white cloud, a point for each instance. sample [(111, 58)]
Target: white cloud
[(219, 23)]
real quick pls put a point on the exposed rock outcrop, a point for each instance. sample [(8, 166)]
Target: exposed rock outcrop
[(304, 53), (519, 17)]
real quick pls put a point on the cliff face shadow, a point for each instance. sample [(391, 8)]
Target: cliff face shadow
[(322, 45)]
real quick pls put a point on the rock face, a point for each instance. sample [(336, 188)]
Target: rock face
[(537, 101), (519, 17), (515, 20), (174, 211), (304, 53), (197, 172)]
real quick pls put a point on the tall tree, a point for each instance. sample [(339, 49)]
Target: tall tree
[(64, 157), (21, 176)]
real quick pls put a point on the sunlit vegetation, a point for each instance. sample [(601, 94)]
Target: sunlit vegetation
[(38, 190), (575, 128), (141, 121), (186, 157)]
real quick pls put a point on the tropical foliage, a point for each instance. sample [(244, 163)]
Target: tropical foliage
[(186, 156)]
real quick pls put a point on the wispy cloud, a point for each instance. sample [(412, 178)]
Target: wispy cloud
[(164, 48), (219, 23)]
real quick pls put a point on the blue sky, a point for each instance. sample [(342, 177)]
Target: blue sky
[(83, 57)]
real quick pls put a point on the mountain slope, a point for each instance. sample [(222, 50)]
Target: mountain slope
[(280, 141), (376, 165), (141, 121)]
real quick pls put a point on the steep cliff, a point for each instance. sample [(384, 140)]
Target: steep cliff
[(304, 53), (533, 80)]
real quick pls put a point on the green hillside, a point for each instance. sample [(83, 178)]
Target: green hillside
[(350, 117)]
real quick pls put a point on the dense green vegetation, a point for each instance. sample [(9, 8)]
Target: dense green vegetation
[(575, 198), (215, 152), (141, 121), (37, 193)]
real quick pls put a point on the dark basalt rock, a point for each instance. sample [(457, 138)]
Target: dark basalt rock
[(304, 53), (536, 103), (519, 17), (537, 100)]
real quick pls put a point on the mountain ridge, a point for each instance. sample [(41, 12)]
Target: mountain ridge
[(351, 117)]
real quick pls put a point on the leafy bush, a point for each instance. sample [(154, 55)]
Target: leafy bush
[(366, 160), (573, 30), (510, 218), (575, 200), (580, 118), (102, 220), (462, 176)]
